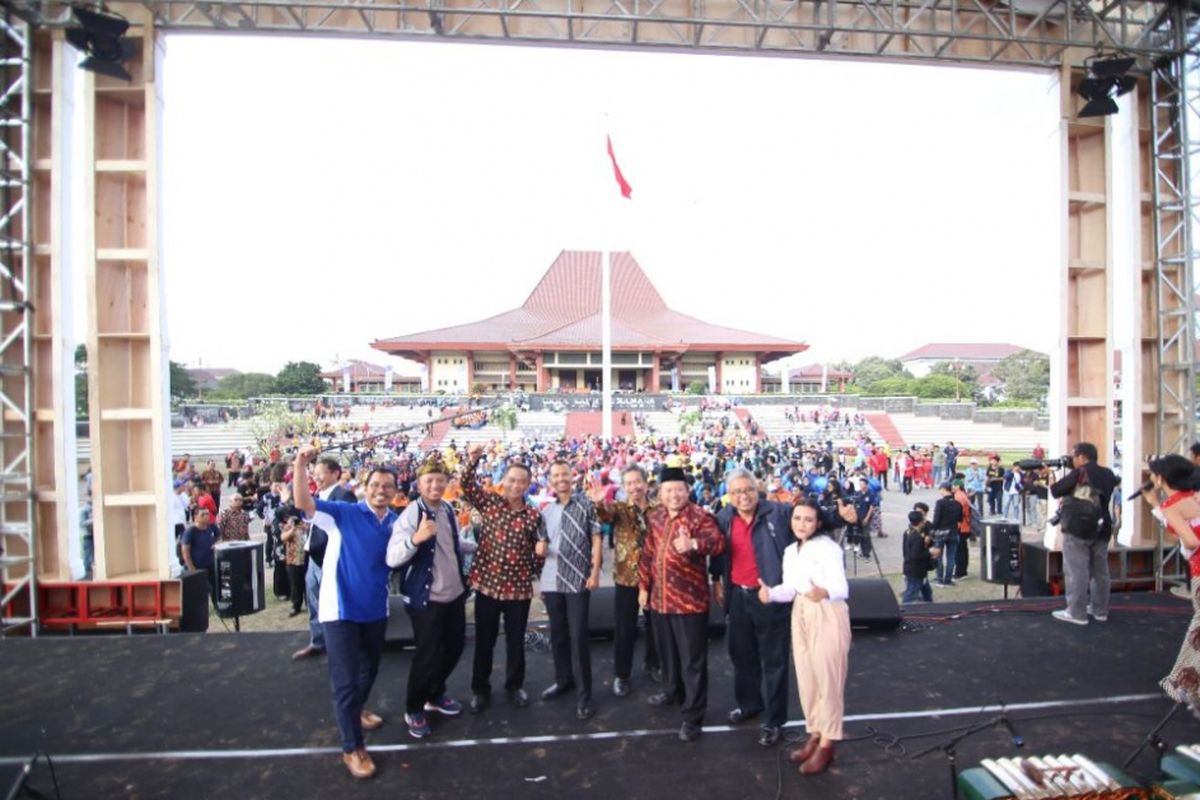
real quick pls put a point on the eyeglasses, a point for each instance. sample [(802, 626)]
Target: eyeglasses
[(743, 491)]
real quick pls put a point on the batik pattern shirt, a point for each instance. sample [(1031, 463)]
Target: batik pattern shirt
[(630, 527), (234, 525), (678, 582), (505, 565)]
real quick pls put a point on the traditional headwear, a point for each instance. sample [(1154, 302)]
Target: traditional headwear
[(672, 474), (433, 463)]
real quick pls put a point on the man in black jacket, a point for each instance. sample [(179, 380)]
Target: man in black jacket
[(947, 514), (1085, 549), (756, 532), (918, 556)]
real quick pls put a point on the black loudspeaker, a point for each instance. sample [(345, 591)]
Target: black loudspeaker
[(872, 604), (602, 615), (240, 587), (399, 626), (1000, 552), (193, 612)]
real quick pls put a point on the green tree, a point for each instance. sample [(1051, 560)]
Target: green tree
[(894, 385), (873, 369), (1025, 376), (81, 381), (938, 386), (243, 386), (300, 377), (697, 387), (270, 425), (182, 384), (505, 418), (689, 418)]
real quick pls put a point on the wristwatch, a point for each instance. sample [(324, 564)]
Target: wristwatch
[(695, 545)]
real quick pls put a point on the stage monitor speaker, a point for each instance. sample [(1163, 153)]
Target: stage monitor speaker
[(1000, 552), (872, 604), (399, 624), (241, 590), (193, 612)]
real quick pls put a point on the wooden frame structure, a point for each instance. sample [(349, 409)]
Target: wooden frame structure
[(128, 396)]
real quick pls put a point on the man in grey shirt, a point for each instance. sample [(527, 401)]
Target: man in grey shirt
[(573, 552), (426, 546)]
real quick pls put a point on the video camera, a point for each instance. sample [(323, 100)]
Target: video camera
[(1052, 463)]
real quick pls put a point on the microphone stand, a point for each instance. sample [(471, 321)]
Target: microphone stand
[(949, 747), (1152, 739)]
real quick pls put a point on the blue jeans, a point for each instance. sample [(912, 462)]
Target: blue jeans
[(914, 587), (1012, 507), (312, 594), (354, 649), (945, 564)]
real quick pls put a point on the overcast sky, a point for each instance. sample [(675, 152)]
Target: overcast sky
[(359, 190)]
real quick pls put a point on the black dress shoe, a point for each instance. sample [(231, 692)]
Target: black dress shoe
[(480, 701), (768, 735), (585, 710), (557, 690), (518, 698), (738, 716), (620, 687), (661, 699), (689, 732)]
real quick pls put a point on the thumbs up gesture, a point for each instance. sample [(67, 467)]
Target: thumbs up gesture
[(764, 592), (426, 531), (683, 543)]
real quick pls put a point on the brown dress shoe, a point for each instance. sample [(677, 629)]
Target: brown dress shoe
[(359, 763), (307, 652), (801, 754), (818, 762), (370, 721)]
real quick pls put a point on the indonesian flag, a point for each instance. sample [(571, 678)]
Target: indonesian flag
[(626, 189)]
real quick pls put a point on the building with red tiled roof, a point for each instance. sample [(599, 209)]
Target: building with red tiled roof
[(366, 378), (981, 356), (552, 341)]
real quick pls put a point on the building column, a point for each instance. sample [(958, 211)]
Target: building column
[(757, 373), (470, 370), (512, 372), (654, 386), (717, 372), (539, 366)]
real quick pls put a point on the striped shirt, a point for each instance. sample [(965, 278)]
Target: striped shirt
[(569, 529)]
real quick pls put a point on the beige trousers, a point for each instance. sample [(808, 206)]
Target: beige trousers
[(821, 647)]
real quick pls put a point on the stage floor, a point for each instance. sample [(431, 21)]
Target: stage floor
[(202, 716)]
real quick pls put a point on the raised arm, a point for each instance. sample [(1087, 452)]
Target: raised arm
[(301, 498)]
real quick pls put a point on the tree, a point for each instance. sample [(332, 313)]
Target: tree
[(81, 381), (697, 387), (937, 386), (182, 384), (873, 369), (689, 418), (505, 418), (1025, 376), (300, 377), (478, 388), (892, 386), (243, 386), (271, 424)]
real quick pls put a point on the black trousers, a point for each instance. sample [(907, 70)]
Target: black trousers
[(625, 632), (354, 651), (962, 557), (758, 637), (995, 499), (568, 612), (296, 585), (487, 628), (906, 484), (682, 641), (440, 631)]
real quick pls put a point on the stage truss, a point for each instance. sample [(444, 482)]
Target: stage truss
[(1021, 33)]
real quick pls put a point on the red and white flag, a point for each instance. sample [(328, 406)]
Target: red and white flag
[(626, 189)]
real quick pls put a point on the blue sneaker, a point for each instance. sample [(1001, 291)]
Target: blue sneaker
[(418, 726), (445, 705)]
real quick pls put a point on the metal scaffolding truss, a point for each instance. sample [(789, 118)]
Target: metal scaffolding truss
[(1016, 32), (1175, 132), (18, 561)]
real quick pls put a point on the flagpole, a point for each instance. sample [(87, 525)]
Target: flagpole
[(606, 345)]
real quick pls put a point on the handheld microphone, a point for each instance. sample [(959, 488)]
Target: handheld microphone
[(1145, 487), (1017, 739)]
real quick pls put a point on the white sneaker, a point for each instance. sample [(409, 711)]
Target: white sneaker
[(1095, 616), (1065, 616)]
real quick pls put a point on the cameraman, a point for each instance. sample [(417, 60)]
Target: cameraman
[(1085, 529), (947, 514), (919, 558)]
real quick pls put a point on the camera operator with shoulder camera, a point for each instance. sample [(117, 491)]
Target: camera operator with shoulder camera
[(1086, 494)]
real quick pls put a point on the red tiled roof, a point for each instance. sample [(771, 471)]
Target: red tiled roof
[(563, 310), (359, 371), (964, 352), (815, 371)]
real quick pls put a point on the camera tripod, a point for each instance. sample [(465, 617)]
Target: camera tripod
[(874, 556)]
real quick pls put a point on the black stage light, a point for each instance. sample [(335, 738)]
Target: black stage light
[(1108, 80), (101, 36)]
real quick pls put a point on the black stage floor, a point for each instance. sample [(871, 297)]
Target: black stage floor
[(203, 716)]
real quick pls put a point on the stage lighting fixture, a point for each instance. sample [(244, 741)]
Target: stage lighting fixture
[(1108, 80), (101, 36)]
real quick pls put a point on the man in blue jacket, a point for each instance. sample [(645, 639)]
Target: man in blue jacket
[(426, 546), (756, 533)]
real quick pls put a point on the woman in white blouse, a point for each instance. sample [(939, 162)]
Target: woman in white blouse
[(815, 578)]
